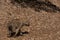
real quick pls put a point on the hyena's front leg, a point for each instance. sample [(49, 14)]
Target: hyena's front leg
[(11, 33)]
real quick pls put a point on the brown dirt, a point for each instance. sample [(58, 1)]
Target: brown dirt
[(43, 25)]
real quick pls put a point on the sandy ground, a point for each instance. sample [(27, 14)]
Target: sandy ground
[(43, 25)]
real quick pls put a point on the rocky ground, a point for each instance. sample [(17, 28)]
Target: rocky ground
[(43, 25)]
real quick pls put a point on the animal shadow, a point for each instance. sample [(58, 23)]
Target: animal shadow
[(37, 5)]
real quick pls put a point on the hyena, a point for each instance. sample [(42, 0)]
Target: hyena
[(14, 28)]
